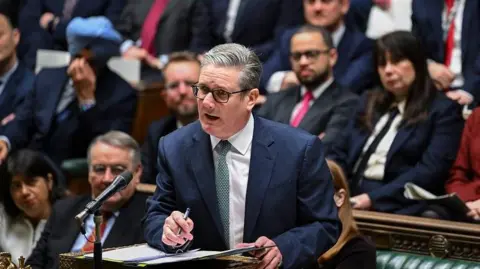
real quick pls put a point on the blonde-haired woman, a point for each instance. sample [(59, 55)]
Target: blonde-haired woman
[(352, 250)]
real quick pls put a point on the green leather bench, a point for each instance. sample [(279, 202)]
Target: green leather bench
[(400, 260)]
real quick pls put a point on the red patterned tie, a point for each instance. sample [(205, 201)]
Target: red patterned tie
[(88, 247), (450, 39), (149, 29), (307, 97)]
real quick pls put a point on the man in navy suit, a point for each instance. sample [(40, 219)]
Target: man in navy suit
[(247, 180), (180, 73), (354, 67), (69, 106), (452, 45), (43, 23), (15, 79)]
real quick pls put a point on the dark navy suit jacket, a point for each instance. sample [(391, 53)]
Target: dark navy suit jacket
[(289, 192), (34, 37), (422, 154), (427, 26), (35, 122), (354, 68), (18, 86)]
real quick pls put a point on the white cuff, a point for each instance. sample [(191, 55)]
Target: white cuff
[(4, 138), (275, 82), (125, 46)]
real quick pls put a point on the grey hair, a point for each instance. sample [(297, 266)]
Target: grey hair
[(120, 140), (238, 56)]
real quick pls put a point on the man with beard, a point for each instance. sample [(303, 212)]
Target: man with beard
[(318, 105), (180, 73)]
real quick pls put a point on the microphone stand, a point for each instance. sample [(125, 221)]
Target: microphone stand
[(97, 245)]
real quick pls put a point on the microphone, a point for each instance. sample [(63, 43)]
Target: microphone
[(118, 184)]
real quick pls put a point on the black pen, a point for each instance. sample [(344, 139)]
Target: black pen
[(185, 217)]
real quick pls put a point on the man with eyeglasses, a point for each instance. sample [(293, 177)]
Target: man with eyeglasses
[(247, 181), (180, 73), (108, 156), (319, 105)]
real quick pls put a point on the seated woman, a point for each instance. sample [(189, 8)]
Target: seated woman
[(465, 173), (352, 250), (406, 131), (29, 187)]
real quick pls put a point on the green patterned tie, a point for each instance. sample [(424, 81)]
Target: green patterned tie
[(222, 183)]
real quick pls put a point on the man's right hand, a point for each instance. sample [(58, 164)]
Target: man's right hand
[(289, 80), (136, 53), (173, 224), (474, 207), (441, 75), (3, 150)]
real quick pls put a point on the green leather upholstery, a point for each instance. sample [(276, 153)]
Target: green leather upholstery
[(397, 260), (75, 168)]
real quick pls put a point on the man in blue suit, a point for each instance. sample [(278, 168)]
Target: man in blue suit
[(247, 180), (452, 49), (354, 67), (69, 106), (44, 22), (15, 79)]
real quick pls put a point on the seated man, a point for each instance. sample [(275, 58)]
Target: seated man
[(68, 107), (15, 79), (44, 22), (319, 105), (246, 179), (354, 66), (108, 156), (180, 73)]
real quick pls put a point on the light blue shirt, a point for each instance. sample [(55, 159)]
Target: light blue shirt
[(4, 79), (89, 227)]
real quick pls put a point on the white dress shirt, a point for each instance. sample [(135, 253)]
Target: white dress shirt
[(238, 162), (316, 94), (275, 81), (18, 236), (456, 60), (90, 227), (376, 164), (232, 12)]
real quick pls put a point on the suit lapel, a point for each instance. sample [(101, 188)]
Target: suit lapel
[(287, 105), (261, 164), (402, 135), (241, 17), (436, 18), (320, 107), (10, 89), (171, 6), (203, 170), (119, 235), (344, 48), (56, 86), (466, 25)]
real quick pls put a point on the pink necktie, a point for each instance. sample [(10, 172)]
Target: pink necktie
[(149, 28), (307, 97), (449, 44)]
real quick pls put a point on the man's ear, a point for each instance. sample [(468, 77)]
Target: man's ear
[(252, 98), (16, 36), (339, 197)]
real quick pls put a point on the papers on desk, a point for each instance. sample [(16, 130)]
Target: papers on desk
[(146, 255)]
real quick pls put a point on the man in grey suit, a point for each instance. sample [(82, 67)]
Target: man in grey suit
[(156, 28), (318, 105)]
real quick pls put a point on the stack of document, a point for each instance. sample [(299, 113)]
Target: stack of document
[(146, 255)]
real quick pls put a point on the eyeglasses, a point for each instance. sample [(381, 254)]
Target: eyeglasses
[(220, 96), (175, 84), (310, 54), (115, 169)]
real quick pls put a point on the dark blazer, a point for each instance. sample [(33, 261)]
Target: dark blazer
[(359, 252), (427, 27), (257, 25), (421, 154), (62, 229), (35, 123), (464, 177), (289, 193), (354, 68), (18, 86), (156, 130), (181, 27), (329, 113), (34, 37)]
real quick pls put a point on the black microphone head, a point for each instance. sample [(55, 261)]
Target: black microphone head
[(124, 178)]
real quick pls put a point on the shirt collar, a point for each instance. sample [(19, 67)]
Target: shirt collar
[(241, 141), (320, 89), (401, 107), (8, 74), (179, 124), (338, 34)]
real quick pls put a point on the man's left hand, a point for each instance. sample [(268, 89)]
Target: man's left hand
[(362, 201), (271, 257), (46, 18), (461, 96), (84, 80)]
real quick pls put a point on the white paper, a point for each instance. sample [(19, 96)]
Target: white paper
[(129, 253)]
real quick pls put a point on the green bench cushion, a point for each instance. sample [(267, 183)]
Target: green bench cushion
[(397, 260), (75, 168)]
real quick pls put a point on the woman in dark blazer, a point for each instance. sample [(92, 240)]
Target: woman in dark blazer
[(406, 131)]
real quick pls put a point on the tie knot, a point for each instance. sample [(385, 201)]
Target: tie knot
[(308, 95), (223, 147)]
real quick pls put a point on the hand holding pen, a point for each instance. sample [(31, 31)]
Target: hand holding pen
[(177, 229)]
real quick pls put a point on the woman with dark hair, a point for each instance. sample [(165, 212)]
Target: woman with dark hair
[(406, 131), (30, 185), (352, 250)]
